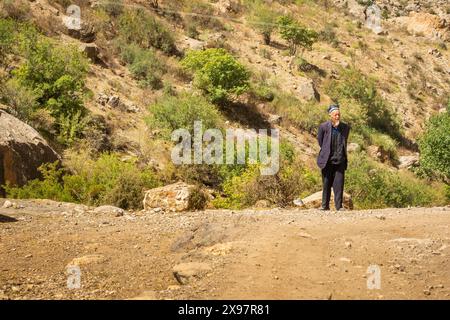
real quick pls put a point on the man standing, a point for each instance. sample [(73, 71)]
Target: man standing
[(332, 159)]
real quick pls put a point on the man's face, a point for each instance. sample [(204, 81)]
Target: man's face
[(335, 116)]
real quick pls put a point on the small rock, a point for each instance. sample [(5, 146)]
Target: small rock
[(185, 272), (7, 204), (118, 212), (146, 295), (85, 260)]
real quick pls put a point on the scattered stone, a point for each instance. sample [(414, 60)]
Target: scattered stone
[(118, 212), (7, 204), (348, 244), (307, 90), (352, 147), (91, 50), (186, 272), (146, 295), (86, 260), (315, 201)]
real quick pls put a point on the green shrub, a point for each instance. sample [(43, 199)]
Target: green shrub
[(138, 27), (264, 20), (176, 112), (329, 35), (7, 29), (198, 199), (373, 186), (434, 145), (106, 180), (144, 65), (54, 73), (217, 73), (296, 35), (50, 187), (21, 101)]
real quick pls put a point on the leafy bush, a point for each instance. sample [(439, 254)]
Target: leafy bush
[(54, 73), (144, 65), (21, 101), (176, 112), (264, 20), (244, 186), (296, 35), (217, 73), (106, 180), (50, 187), (7, 29), (198, 199), (138, 27), (434, 145), (372, 186)]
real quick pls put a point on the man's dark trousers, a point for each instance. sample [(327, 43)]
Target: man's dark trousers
[(333, 177)]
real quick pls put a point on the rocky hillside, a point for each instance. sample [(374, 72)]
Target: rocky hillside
[(388, 85)]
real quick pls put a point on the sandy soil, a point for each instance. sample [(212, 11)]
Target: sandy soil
[(250, 254)]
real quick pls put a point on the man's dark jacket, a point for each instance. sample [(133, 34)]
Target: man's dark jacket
[(324, 139)]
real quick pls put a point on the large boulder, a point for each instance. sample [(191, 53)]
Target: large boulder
[(173, 197), (22, 151), (408, 161), (306, 90), (427, 25), (315, 201)]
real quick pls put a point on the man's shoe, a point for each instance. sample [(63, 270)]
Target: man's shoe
[(324, 209), (341, 209)]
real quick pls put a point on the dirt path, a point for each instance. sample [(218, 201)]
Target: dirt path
[(265, 254)]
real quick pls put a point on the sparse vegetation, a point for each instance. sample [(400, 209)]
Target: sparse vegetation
[(263, 19), (138, 27), (144, 65)]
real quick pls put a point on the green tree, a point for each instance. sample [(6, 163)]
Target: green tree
[(217, 73), (296, 35)]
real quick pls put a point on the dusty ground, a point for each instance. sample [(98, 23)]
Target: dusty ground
[(264, 254)]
